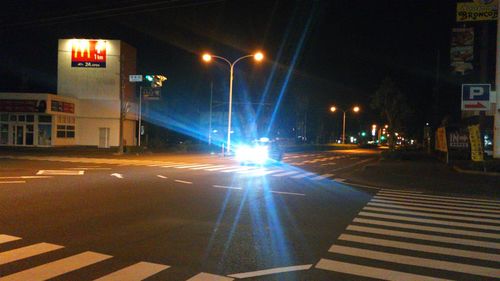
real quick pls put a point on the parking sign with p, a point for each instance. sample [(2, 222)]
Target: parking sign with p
[(476, 97)]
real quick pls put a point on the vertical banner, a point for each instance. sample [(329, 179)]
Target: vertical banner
[(441, 144), (476, 148), (462, 50)]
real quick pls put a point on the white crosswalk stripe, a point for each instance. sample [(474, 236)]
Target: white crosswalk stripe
[(56, 268), (209, 277), (395, 225), (26, 252), (82, 261), (135, 272)]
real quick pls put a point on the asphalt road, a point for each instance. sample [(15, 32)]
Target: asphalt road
[(206, 218)]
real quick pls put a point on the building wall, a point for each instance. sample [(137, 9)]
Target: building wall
[(98, 90)]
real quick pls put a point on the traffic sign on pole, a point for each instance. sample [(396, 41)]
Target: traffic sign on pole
[(135, 78), (476, 97)]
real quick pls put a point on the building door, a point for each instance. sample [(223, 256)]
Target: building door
[(19, 134), (103, 137)]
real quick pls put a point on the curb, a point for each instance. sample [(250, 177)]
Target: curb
[(493, 174)]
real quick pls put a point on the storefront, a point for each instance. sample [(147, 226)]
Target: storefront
[(31, 119)]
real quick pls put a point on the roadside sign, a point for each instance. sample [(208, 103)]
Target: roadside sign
[(151, 93), (476, 97), (135, 78), (475, 143)]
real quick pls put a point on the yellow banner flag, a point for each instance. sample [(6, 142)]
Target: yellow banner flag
[(476, 149)]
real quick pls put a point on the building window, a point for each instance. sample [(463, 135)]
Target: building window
[(4, 117), (44, 134), (4, 133), (65, 131), (44, 119)]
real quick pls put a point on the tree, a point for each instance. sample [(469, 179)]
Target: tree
[(393, 107)]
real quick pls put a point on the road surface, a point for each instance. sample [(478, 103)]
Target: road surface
[(206, 218)]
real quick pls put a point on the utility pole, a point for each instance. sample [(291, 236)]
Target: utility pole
[(122, 109), (210, 115), (496, 125)]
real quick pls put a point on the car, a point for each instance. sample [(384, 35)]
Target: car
[(260, 152)]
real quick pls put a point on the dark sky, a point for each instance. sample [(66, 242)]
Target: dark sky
[(331, 52)]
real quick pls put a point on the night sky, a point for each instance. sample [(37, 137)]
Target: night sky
[(318, 53)]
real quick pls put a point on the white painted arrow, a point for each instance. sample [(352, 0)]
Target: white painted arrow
[(120, 176)]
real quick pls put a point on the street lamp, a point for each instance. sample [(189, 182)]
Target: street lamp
[(355, 109), (258, 56)]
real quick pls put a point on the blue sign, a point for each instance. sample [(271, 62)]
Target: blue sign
[(476, 96), (476, 92)]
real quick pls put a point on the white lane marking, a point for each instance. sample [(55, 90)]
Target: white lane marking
[(26, 177), (362, 185), (401, 191), (425, 237), (271, 271), (433, 215), (227, 187), (207, 167), (474, 214), (438, 202), (173, 165), (192, 166), (420, 247), (288, 193), (11, 182), (285, 174), (162, 176), (135, 272), (322, 177), (26, 252), (236, 169), (4, 238), (431, 221), (437, 207), (429, 228), (303, 175), (430, 199), (458, 199), (339, 179), (372, 272), (353, 158), (209, 277), (221, 168), (60, 172), (415, 261), (117, 175), (329, 164), (56, 268), (181, 181), (88, 168), (265, 172)]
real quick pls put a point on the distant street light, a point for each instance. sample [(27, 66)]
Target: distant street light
[(258, 56), (355, 109)]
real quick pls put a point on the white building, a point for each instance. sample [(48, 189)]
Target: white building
[(91, 77)]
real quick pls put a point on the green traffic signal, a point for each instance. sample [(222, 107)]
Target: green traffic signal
[(149, 78), (363, 134)]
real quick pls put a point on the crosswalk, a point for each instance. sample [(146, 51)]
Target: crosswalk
[(405, 235), (251, 171), (77, 262)]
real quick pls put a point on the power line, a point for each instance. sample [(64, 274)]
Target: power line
[(111, 12)]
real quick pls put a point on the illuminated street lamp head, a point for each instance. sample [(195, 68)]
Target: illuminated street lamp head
[(355, 109), (258, 56), (207, 57), (333, 109)]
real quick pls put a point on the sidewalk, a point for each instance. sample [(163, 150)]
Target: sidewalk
[(425, 173)]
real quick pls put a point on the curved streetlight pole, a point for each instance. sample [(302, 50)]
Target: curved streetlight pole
[(207, 57)]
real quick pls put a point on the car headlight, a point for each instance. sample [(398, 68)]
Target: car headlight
[(255, 154)]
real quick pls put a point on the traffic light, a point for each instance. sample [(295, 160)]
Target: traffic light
[(158, 81), (363, 134), (149, 78)]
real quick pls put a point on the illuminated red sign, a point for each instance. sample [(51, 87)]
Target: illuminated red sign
[(88, 53)]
